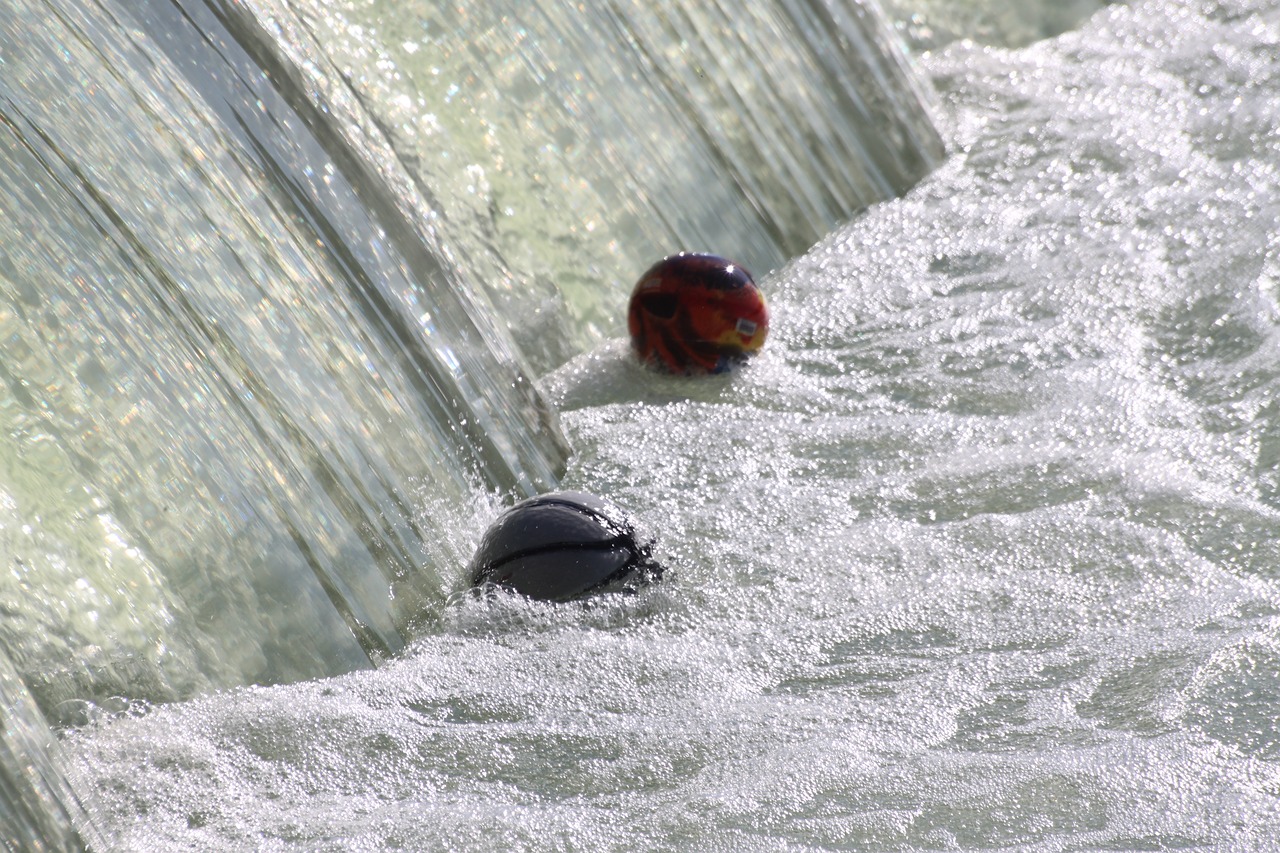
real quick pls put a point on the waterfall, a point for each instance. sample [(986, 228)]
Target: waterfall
[(567, 148), (270, 318)]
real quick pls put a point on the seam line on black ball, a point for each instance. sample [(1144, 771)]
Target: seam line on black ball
[(640, 562), (607, 545), (581, 509)]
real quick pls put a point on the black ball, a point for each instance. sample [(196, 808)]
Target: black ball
[(563, 545)]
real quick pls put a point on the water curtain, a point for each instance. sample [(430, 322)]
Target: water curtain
[(253, 369)]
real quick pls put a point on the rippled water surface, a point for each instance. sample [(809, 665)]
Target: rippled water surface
[(982, 553)]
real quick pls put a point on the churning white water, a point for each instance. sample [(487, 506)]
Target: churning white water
[(982, 553)]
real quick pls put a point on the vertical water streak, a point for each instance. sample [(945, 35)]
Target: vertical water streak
[(38, 808)]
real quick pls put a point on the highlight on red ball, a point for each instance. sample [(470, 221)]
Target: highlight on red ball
[(694, 313)]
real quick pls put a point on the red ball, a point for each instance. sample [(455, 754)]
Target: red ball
[(694, 313)]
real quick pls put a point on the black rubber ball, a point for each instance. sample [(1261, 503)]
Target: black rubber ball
[(563, 545)]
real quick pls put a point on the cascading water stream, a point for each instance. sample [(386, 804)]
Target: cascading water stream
[(252, 370), (982, 552), (568, 148)]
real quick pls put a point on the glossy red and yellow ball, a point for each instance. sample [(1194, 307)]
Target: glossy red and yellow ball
[(696, 313)]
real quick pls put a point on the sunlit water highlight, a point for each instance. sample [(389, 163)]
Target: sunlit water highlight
[(981, 554)]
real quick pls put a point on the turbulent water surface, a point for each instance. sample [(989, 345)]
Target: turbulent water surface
[(982, 553)]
